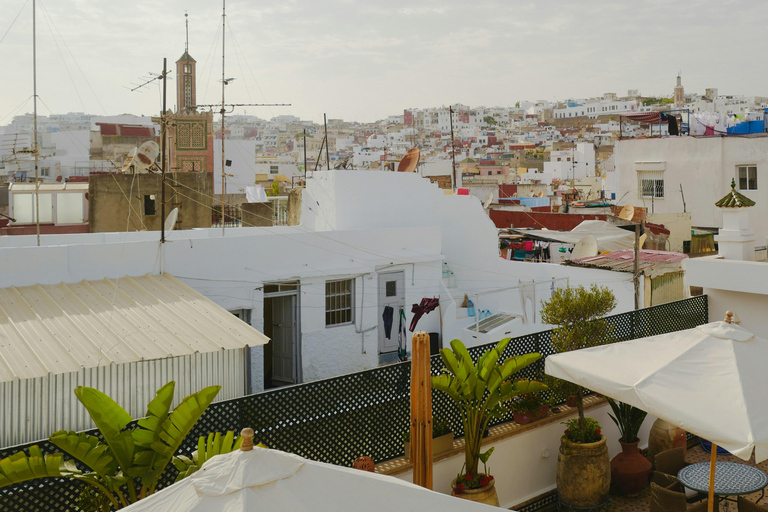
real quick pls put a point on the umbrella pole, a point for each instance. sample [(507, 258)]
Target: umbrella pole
[(712, 458)]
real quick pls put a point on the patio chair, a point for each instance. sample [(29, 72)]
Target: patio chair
[(669, 500), (670, 462), (749, 506)]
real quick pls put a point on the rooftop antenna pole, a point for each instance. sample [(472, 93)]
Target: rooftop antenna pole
[(305, 153), (223, 110), (186, 22), (164, 122), (34, 144)]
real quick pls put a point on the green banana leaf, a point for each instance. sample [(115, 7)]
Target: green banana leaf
[(175, 428), (148, 432), (110, 419), (21, 467), (87, 449), (216, 444)]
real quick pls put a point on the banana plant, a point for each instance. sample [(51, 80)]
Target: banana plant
[(214, 444), (481, 390), (125, 466)]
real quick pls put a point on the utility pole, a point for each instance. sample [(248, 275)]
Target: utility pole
[(453, 151), (223, 111), (305, 153), (636, 266), (327, 158)]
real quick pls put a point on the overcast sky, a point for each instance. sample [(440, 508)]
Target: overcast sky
[(362, 60)]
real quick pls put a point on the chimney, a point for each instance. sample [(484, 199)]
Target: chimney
[(735, 240)]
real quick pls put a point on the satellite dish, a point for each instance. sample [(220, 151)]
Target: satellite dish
[(170, 221), (147, 155), (488, 201), (643, 237), (410, 161), (627, 212), (129, 160), (585, 248), (540, 194)]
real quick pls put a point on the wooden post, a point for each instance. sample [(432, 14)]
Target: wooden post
[(421, 410)]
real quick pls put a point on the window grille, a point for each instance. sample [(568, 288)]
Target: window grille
[(191, 135), (338, 302), (747, 177), (650, 184)]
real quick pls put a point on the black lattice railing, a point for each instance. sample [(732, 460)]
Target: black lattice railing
[(337, 420)]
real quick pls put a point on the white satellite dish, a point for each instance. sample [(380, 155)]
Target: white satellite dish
[(147, 155), (128, 162), (643, 237), (170, 221), (627, 212), (585, 248), (488, 201)]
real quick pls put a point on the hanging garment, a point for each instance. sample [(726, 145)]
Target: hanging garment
[(388, 316), (421, 309), (545, 251), (672, 129), (402, 336)]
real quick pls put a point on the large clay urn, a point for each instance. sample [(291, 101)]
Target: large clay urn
[(630, 469), (583, 473), (665, 436)]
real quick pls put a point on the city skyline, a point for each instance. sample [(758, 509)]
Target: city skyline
[(364, 62)]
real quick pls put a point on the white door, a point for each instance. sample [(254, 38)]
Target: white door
[(391, 294)]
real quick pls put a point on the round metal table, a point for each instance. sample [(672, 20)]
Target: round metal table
[(731, 479)]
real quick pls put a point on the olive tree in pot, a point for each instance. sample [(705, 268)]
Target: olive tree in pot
[(583, 465), (629, 469), (480, 392)]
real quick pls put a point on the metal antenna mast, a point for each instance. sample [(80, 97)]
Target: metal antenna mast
[(34, 144), (186, 21)]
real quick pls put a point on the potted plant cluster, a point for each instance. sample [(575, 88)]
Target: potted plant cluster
[(529, 407), (480, 391), (442, 438), (583, 465), (629, 469)]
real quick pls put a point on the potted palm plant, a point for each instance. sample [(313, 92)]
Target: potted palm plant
[(629, 469), (480, 392), (583, 465)]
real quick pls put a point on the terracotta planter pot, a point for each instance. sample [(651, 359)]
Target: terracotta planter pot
[(630, 469), (439, 445), (485, 494), (583, 473), (526, 417), (664, 436)]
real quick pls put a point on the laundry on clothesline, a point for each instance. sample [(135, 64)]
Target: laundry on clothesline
[(422, 309), (388, 317)]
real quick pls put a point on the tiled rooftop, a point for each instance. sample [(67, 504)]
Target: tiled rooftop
[(694, 454)]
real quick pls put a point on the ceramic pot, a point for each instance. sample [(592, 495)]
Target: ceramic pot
[(583, 473), (664, 436), (485, 494), (526, 417), (630, 469)]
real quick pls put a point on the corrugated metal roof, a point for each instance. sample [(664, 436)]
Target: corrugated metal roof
[(652, 263), (63, 328)]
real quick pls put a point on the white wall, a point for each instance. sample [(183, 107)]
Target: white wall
[(525, 465), (704, 166)]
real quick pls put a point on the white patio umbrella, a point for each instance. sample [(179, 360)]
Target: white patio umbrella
[(710, 380), (264, 479)]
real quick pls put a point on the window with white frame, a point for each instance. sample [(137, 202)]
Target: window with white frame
[(339, 302), (747, 175), (650, 184)]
